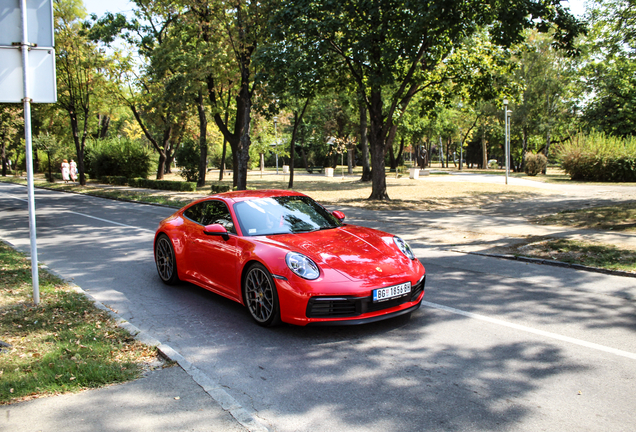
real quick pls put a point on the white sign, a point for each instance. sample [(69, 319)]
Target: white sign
[(42, 84), (39, 17)]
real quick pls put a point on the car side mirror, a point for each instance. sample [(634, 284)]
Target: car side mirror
[(339, 215), (216, 229)]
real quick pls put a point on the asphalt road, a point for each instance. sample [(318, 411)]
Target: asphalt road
[(497, 345)]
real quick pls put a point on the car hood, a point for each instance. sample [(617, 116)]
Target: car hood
[(358, 253)]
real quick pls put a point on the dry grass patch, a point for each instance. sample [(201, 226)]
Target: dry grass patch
[(577, 252), (405, 194), (619, 217)]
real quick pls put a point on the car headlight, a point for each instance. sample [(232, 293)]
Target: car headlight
[(302, 266), (404, 247)]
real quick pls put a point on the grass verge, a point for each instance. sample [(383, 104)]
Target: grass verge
[(575, 252), (64, 344), (619, 217)]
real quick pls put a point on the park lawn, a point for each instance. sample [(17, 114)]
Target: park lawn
[(575, 252), (64, 344), (618, 217), (404, 194)]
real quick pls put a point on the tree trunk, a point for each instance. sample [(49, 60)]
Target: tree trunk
[(398, 159), (546, 151), (203, 143), (79, 145), (524, 148), (484, 150), (392, 160), (377, 147), (4, 159), (298, 118), (104, 123), (364, 143), (245, 141)]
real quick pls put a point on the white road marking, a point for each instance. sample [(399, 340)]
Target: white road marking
[(110, 221), (533, 330), (96, 218)]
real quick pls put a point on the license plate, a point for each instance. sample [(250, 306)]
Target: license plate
[(382, 294)]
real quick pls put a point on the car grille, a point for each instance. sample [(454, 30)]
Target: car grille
[(345, 306)]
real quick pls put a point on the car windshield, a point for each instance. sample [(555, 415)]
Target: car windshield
[(283, 215)]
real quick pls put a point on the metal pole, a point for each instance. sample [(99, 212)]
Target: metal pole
[(506, 137), (461, 149), (508, 147), (29, 154), (276, 141)]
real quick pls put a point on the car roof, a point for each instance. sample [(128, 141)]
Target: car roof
[(246, 195)]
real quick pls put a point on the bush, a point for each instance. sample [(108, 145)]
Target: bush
[(188, 156), (119, 157), (163, 185), (220, 188), (535, 163), (597, 157), (115, 180)]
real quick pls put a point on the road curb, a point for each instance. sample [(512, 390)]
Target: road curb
[(211, 387), (552, 263)]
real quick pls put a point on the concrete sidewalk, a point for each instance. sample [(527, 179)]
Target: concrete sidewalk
[(164, 400)]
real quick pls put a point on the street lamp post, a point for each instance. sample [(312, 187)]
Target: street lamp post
[(461, 149), (506, 139), (276, 143)]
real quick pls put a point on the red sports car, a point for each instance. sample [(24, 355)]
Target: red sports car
[(288, 259)]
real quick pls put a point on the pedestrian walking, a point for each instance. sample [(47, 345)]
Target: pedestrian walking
[(73, 170), (66, 170)]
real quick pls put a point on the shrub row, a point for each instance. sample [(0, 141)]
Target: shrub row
[(150, 184), (117, 157), (220, 187), (597, 157), (600, 168)]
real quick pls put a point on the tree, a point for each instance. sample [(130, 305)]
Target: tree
[(391, 49), (79, 77), (233, 30), (545, 108), (11, 123), (610, 70)]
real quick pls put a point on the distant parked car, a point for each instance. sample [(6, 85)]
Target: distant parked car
[(288, 259)]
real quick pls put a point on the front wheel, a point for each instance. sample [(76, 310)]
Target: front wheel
[(260, 296), (165, 260)]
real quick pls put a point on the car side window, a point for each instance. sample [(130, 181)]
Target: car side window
[(216, 212), (211, 212), (194, 213)]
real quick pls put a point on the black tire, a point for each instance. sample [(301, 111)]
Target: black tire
[(165, 260), (261, 298)]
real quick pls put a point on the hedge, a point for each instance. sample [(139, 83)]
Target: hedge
[(179, 186), (597, 157)]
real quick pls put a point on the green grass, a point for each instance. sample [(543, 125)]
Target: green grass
[(64, 344), (619, 217), (575, 252)]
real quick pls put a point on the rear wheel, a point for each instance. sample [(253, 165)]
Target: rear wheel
[(165, 260), (260, 296)]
